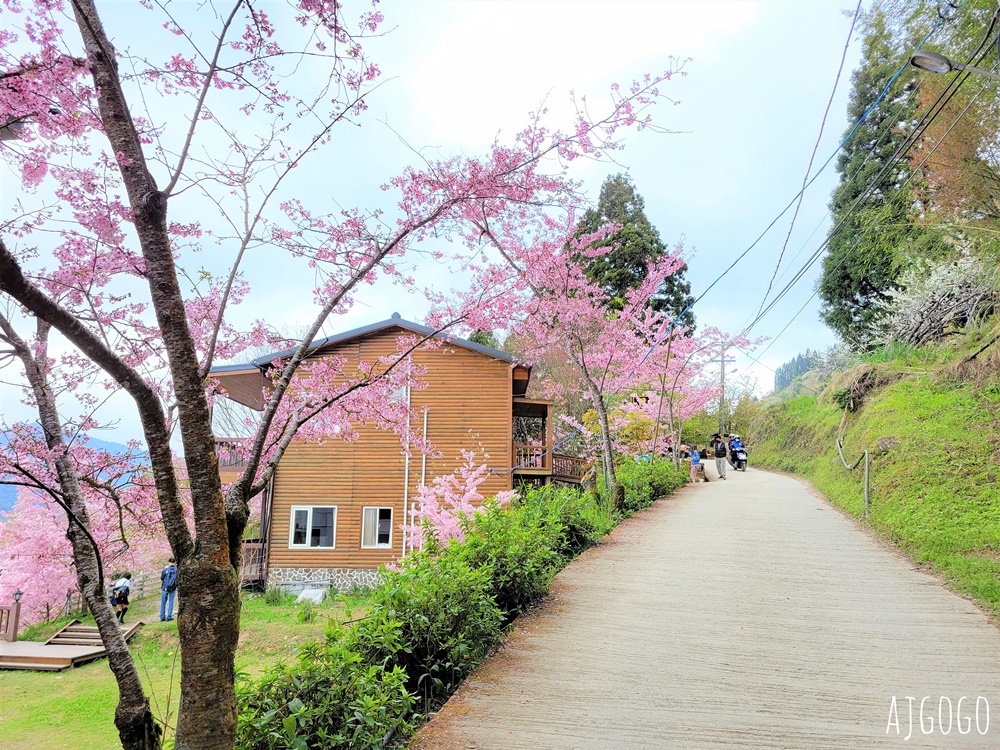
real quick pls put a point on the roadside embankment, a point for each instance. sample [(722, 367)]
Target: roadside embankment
[(935, 462)]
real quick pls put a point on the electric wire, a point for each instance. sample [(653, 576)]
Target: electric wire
[(937, 25), (829, 159), (812, 157), (896, 197), (914, 136)]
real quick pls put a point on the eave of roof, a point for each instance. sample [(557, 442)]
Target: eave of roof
[(394, 322), (247, 367)]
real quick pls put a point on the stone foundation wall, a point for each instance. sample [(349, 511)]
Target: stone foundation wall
[(339, 579)]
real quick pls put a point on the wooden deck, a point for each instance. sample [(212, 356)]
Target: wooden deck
[(72, 646), (539, 463)]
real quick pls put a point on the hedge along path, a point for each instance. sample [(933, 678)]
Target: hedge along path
[(740, 614)]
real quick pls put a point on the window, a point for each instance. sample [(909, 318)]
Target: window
[(376, 527), (313, 526)]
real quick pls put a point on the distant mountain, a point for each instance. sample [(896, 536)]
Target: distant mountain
[(8, 493)]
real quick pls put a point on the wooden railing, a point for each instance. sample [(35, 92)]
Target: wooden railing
[(568, 467), (253, 565), (227, 449), (531, 457)]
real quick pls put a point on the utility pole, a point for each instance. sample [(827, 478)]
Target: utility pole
[(722, 392)]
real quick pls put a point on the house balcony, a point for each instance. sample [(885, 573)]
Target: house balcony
[(231, 460), (534, 462), (531, 451)]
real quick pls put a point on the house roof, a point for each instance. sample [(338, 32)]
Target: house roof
[(396, 321)]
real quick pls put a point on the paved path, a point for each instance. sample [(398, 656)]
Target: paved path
[(739, 614)]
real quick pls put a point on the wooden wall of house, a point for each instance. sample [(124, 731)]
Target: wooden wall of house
[(469, 401)]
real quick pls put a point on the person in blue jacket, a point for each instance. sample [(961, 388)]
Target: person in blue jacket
[(696, 465)]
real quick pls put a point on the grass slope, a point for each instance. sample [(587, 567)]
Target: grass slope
[(75, 708), (934, 494)]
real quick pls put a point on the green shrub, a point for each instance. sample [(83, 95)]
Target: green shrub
[(307, 612), (520, 545), (446, 617), (329, 698), (645, 480), (586, 518), (276, 596), (431, 621)]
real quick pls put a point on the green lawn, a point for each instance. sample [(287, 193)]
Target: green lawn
[(75, 709)]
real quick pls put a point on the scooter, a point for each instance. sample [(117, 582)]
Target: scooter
[(739, 459)]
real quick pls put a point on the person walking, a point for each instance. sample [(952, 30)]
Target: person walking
[(168, 590), (721, 454), (119, 596)]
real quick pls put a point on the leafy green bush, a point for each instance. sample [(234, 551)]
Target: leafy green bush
[(447, 622), (645, 480), (520, 545), (277, 596), (431, 621), (586, 518), (329, 698)]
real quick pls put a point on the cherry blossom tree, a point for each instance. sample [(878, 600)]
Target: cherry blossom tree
[(551, 305), (119, 155), (444, 507), (36, 556), (682, 384)]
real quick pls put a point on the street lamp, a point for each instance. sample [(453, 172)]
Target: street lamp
[(17, 596), (937, 63)]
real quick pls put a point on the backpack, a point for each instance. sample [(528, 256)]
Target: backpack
[(720, 449), (169, 579)]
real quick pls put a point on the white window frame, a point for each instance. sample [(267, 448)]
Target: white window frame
[(309, 519), (376, 508)]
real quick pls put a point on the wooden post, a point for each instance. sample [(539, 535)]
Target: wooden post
[(10, 616)]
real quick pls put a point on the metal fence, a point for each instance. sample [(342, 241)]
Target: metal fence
[(852, 467)]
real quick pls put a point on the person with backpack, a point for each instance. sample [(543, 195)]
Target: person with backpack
[(721, 454), (119, 596), (168, 589)]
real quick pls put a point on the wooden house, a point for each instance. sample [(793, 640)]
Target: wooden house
[(333, 512)]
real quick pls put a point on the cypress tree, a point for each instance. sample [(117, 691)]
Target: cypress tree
[(636, 243)]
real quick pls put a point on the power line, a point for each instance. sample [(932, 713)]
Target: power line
[(918, 130), (896, 197), (819, 137), (850, 134)]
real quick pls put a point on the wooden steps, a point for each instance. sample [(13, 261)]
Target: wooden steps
[(78, 634), (72, 646)]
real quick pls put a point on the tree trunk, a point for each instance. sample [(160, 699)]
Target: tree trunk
[(615, 491), (207, 575), (137, 729), (208, 617)]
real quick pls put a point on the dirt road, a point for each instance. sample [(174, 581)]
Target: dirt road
[(740, 614)]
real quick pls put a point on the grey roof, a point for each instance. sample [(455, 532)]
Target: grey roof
[(394, 322), (232, 368)]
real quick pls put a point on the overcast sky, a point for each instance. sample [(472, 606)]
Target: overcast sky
[(460, 72), (759, 75)]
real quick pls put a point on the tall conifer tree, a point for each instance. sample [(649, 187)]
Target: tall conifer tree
[(860, 266), (636, 243)]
